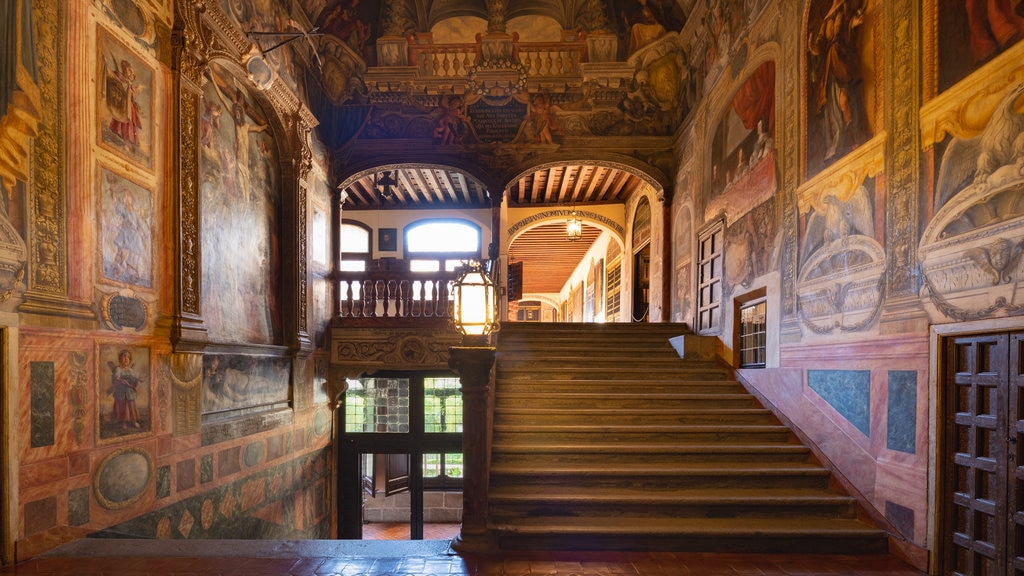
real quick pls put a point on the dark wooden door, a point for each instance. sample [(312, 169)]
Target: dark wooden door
[(984, 456)]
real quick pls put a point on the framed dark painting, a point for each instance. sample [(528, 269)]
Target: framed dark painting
[(387, 240)]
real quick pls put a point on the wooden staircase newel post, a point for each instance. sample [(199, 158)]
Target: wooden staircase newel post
[(474, 366)]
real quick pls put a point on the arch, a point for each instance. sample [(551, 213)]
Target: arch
[(368, 168), (544, 299), (653, 176), (597, 220)]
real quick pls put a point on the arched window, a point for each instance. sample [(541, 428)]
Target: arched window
[(355, 246), (429, 244)]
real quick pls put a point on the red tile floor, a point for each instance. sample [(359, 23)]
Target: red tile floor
[(105, 557)]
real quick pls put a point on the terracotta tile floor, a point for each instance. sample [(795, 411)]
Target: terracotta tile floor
[(104, 557)]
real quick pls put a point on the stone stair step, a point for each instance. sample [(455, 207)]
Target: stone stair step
[(716, 502), (582, 434), (673, 455), (639, 415), (559, 399), (664, 476), (631, 386), (556, 370), (736, 535), (542, 455)]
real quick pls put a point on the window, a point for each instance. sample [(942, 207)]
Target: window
[(383, 405), (355, 247), (709, 278), (429, 244), (442, 412), (753, 345)]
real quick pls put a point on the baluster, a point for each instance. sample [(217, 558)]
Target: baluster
[(425, 67), (388, 287), (402, 304), (366, 292), (442, 297), (530, 63), (428, 298), (358, 299), (345, 292), (421, 297), (548, 63), (560, 62)]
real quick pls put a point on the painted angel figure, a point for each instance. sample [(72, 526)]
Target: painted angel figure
[(124, 386), (121, 98)]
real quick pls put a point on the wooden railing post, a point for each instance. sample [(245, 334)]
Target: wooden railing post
[(474, 366)]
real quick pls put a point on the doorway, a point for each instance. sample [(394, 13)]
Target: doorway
[(402, 442), (982, 474), (641, 283)]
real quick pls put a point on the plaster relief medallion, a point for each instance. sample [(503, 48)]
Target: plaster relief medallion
[(122, 478)]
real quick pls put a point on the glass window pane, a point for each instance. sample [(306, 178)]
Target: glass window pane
[(354, 239), (443, 236), (377, 405)]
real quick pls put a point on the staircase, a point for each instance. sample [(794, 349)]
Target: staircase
[(604, 438)]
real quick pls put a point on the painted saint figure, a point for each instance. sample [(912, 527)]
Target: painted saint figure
[(240, 113), (837, 95), (124, 385), (121, 94)]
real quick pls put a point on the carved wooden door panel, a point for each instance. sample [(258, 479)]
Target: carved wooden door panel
[(983, 479)]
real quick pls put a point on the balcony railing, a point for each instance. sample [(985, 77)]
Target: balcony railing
[(393, 298), (537, 59)]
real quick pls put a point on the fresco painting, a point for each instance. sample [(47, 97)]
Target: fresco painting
[(743, 173), (841, 261), (751, 247), (837, 121), (972, 251), (268, 17), (235, 382), (125, 94), (985, 28), (126, 230), (124, 385), (240, 193), (644, 21)]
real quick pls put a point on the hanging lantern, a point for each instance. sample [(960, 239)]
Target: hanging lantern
[(573, 228), (473, 294)]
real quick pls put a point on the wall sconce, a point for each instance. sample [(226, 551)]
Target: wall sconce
[(473, 293), (573, 228)]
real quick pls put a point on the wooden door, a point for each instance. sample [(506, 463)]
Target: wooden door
[(983, 466)]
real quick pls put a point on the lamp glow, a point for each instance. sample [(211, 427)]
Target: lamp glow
[(474, 302), (573, 228)]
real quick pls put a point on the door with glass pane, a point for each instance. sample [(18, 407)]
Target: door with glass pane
[(402, 434), (983, 479)]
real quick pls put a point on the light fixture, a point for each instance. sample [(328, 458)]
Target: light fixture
[(384, 182), (573, 227), (474, 314)]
